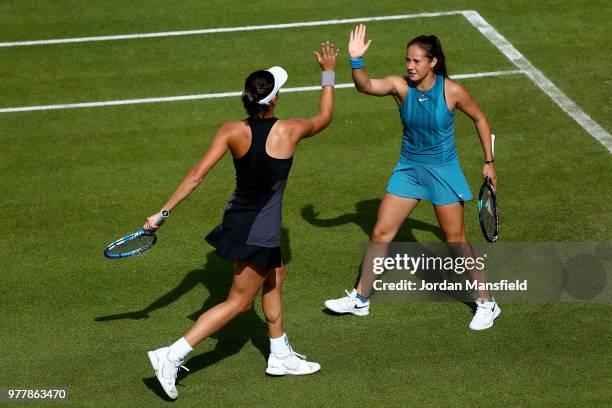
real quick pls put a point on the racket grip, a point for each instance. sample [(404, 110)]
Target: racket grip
[(493, 144), (161, 217)]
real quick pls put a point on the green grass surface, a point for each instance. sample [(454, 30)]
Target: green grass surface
[(74, 179)]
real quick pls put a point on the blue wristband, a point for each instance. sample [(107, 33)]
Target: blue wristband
[(356, 63)]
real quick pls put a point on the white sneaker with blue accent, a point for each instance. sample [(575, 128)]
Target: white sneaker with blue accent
[(290, 363), (349, 304), (165, 370), (486, 313)]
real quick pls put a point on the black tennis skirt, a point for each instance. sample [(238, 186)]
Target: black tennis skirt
[(233, 250)]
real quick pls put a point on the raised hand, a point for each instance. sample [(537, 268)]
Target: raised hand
[(328, 56), (357, 46)]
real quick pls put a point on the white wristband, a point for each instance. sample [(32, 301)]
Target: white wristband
[(327, 78)]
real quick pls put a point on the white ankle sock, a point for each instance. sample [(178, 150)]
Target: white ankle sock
[(280, 344), (179, 350)]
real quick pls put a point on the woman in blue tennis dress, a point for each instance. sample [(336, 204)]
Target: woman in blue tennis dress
[(428, 168)]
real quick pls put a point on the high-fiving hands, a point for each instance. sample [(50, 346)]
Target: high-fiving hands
[(328, 56), (357, 46)]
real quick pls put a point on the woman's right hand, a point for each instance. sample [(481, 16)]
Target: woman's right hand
[(328, 56), (357, 46), (153, 222)]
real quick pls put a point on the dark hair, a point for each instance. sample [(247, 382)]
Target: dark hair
[(433, 49), (257, 86)]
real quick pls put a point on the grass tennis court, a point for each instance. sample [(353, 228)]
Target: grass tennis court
[(74, 179)]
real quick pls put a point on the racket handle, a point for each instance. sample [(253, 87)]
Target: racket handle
[(493, 144), (161, 218)]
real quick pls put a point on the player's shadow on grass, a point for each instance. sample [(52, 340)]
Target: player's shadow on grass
[(365, 218), (217, 279)]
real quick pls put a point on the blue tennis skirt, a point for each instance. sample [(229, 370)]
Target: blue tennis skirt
[(442, 184)]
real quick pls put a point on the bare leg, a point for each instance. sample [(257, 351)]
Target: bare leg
[(272, 302), (245, 285), (450, 218), (392, 213)]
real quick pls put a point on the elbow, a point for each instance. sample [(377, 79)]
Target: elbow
[(480, 118), (328, 117), (326, 120), (194, 179), (361, 89)]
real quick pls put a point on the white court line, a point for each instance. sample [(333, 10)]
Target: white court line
[(473, 17), (540, 79), (214, 95), (228, 29)]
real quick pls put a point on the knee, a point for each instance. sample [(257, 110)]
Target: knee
[(455, 236), (381, 235), (240, 305), (245, 307), (280, 275), (273, 314), (276, 277)]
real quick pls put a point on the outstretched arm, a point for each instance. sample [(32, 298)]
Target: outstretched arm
[(357, 49), (302, 128), (195, 177)]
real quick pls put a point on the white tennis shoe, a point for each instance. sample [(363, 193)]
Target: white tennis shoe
[(165, 370), (349, 304), (290, 363), (486, 313)]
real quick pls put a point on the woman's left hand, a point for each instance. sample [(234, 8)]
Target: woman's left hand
[(489, 171)]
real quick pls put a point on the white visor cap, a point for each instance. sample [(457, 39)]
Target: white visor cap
[(280, 77)]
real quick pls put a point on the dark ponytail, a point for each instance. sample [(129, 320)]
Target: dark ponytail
[(257, 86), (433, 49)]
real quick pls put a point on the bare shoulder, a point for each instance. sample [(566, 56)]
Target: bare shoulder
[(397, 79), (453, 88), (456, 94), (400, 87), (233, 128), (289, 126), (399, 82)]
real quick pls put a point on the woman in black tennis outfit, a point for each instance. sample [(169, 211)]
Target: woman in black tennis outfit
[(262, 147)]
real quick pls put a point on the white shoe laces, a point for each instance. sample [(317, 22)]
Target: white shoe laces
[(177, 367), (349, 298), (303, 357), (483, 312)]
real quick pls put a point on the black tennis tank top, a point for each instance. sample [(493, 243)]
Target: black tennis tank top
[(254, 212)]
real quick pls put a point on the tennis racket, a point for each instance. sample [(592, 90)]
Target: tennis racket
[(135, 243), (488, 212)]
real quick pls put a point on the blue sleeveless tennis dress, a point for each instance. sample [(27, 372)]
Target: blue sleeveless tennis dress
[(251, 226), (428, 167)]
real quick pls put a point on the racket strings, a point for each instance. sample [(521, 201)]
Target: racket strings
[(488, 214), (132, 245)]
